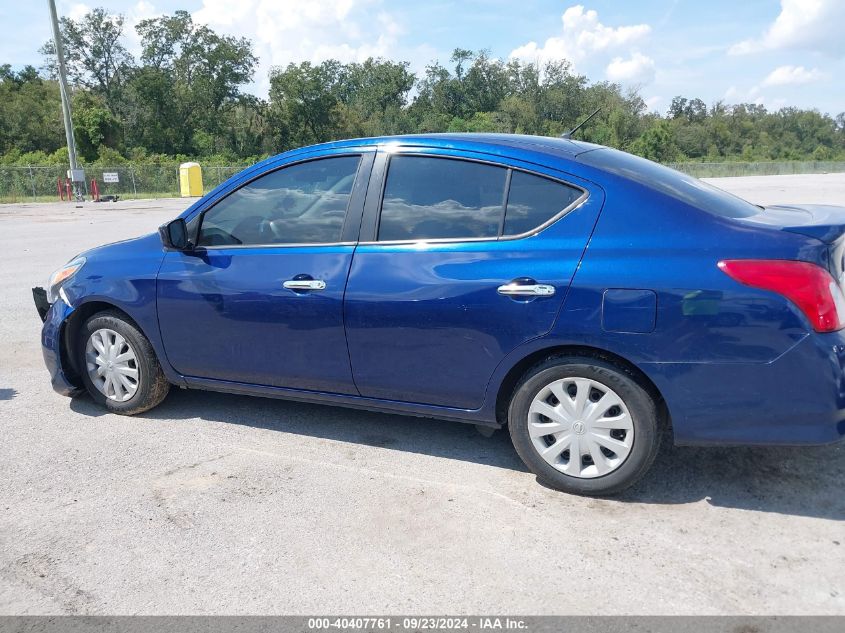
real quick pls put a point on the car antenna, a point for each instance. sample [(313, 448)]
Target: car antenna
[(568, 135)]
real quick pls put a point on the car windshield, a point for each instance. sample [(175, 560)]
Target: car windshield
[(671, 182)]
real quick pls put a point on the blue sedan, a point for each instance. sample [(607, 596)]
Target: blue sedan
[(591, 301)]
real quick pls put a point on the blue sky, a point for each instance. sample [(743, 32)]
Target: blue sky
[(774, 52)]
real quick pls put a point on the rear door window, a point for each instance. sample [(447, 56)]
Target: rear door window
[(428, 198), (435, 198)]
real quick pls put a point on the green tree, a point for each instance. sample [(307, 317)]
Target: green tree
[(303, 99), (657, 143), (30, 112), (200, 71), (94, 125), (183, 97), (95, 55)]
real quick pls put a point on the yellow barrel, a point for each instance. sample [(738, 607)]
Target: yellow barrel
[(190, 180)]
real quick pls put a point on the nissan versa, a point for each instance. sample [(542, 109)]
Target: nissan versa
[(585, 298)]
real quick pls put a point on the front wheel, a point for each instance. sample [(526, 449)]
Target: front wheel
[(119, 366), (584, 426)]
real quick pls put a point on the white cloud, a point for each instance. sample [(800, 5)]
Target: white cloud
[(285, 31), (779, 77), (583, 36), (814, 25), (754, 95), (792, 75), (77, 11), (736, 95), (142, 7), (776, 104), (653, 102), (638, 69)]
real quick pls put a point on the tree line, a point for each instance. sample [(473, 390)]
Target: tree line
[(183, 97)]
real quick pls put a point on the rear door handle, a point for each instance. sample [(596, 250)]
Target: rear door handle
[(305, 284), (513, 289)]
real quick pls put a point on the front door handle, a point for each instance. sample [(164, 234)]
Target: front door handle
[(514, 289), (305, 284)]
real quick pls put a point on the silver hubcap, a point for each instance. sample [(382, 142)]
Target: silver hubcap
[(580, 427), (112, 365)]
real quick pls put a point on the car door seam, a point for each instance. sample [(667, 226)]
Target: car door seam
[(349, 272)]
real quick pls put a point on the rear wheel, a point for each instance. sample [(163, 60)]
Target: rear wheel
[(118, 365), (584, 426)]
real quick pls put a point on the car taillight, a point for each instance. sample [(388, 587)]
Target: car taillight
[(808, 286)]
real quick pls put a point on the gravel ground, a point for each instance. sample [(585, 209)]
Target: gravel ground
[(225, 504)]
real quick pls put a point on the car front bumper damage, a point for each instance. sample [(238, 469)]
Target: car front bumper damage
[(54, 317)]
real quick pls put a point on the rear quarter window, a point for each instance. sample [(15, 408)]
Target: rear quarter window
[(534, 200)]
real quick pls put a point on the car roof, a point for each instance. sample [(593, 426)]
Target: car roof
[(483, 142)]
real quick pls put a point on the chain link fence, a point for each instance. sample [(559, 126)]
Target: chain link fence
[(717, 170), (39, 183)]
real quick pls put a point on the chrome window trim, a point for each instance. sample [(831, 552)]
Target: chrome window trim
[(578, 202), (272, 245)]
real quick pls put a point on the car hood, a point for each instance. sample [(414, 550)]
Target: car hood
[(135, 245)]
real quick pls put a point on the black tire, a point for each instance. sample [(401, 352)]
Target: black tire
[(152, 383), (643, 410)]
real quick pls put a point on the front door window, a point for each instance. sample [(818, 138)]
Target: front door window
[(304, 203)]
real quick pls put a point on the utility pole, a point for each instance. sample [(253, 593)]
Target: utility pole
[(75, 173)]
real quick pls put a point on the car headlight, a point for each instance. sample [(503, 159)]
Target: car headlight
[(61, 276)]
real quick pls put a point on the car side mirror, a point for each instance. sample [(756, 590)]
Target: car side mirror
[(174, 235)]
